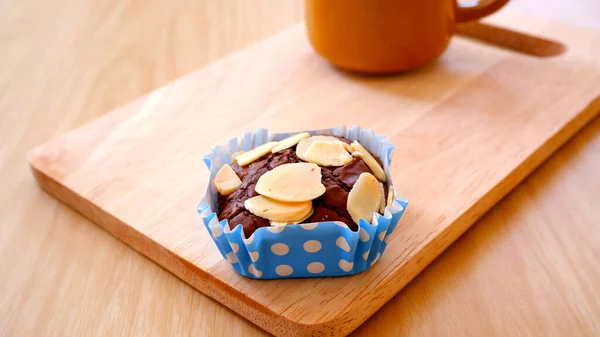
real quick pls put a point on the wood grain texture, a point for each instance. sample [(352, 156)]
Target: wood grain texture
[(466, 132), (526, 269)]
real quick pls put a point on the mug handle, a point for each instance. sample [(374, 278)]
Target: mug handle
[(476, 9)]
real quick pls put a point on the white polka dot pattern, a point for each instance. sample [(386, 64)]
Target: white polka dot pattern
[(309, 226), (366, 255), (382, 235), (284, 270), (345, 265), (235, 247), (363, 235), (232, 258), (342, 243), (254, 256), (276, 229), (254, 271), (217, 231), (312, 246), (280, 249), (315, 267)]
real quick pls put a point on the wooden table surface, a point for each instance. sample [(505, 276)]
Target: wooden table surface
[(527, 268)]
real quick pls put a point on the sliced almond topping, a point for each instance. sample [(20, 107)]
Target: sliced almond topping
[(290, 141), (226, 181), (285, 223), (327, 154), (361, 152), (305, 143), (364, 198), (277, 210), (391, 196), (382, 203), (248, 157), (236, 154), (291, 182), (345, 146)]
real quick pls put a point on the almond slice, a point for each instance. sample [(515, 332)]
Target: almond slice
[(291, 182), (361, 152), (285, 223), (305, 143), (248, 157), (277, 210), (327, 154), (364, 198), (226, 181), (345, 146), (236, 154), (290, 141), (382, 203), (390, 199)]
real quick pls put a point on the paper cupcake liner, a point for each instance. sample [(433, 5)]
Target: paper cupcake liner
[(305, 250)]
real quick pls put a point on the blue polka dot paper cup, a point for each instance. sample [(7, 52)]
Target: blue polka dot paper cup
[(305, 250)]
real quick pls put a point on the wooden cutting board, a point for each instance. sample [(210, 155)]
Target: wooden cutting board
[(468, 128)]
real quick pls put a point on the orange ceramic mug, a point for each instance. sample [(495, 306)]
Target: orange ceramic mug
[(385, 36)]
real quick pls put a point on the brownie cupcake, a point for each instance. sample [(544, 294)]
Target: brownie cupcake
[(316, 203), (310, 177)]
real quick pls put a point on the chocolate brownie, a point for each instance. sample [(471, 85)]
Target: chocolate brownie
[(330, 206)]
